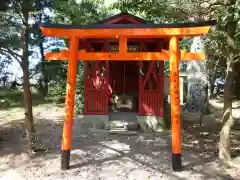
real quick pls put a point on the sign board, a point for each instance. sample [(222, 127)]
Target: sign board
[(115, 48)]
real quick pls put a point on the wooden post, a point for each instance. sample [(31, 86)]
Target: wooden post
[(175, 104), (140, 91), (69, 103), (161, 64), (86, 74), (123, 45)]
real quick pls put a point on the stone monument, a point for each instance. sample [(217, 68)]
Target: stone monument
[(197, 80)]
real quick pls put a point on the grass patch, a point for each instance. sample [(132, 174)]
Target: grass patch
[(14, 99)]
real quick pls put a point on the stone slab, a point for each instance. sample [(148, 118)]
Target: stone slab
[(92, 121)]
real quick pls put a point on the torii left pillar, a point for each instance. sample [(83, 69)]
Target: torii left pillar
[(69, 103), (175, 103)]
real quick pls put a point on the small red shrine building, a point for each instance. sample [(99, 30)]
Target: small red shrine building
[(143, 81)]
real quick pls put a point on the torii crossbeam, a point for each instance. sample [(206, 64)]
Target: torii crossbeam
[(122, 32)]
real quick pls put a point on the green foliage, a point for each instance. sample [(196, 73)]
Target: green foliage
[(152, 10), (10, 41), (57, 76), (79, 12), (186, 43), (224, 40), (79, 99), (57, 88), (166, 68)]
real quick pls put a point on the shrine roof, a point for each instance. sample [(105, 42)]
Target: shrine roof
[(126, 16)]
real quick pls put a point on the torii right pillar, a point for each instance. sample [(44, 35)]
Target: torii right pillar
[(175, 103)]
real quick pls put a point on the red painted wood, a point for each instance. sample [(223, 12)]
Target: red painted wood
[(95, 102), (106, 85), (151, 104), (160, 43), (96, 89), (86, 64), (161, 77), (151, 97), (150, 71), (117, 76)]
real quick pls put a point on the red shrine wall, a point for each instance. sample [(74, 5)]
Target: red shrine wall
[(151, 88), (124, 76)]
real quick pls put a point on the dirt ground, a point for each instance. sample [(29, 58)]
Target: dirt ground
[(97, 155)]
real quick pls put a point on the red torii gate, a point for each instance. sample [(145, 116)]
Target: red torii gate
[(122, 32)]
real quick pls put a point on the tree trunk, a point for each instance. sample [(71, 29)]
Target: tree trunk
[(227, 120), (29, 124), (204, 105), (4, 83), (44, 75), (237, 86), (211, 83)]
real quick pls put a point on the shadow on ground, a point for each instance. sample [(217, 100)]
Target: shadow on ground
[(204, 140)]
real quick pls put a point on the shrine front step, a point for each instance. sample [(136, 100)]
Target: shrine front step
[(122, 121), (122, 125), (123, 132)]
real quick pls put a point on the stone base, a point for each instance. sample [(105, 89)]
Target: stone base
[(123, 125), (92, 121), (151, 123)]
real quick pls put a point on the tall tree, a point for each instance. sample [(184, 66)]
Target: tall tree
[(25, 7), (15, 43), (229, 25)]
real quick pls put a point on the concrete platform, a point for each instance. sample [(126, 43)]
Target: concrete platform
[(123, 121), (92, 121)]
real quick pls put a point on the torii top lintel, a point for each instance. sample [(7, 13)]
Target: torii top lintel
[(128, 30)]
